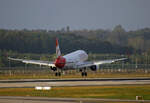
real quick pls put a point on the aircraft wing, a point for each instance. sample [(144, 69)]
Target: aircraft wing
[(108, 61), (88, 64), (38, 62)]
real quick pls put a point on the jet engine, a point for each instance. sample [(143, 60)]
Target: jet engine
[(53, 68), (94, 67)]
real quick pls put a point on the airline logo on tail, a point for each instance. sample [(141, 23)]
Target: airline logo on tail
[(58, 53)]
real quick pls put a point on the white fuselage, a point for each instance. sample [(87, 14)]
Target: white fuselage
[(72, 59)]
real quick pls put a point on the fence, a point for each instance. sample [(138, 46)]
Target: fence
[(109, 68)]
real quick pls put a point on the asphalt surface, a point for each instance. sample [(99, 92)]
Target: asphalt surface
[(11, 99), (70, 79), (30, 83)]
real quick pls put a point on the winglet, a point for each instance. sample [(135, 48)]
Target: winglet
[(58, 53)]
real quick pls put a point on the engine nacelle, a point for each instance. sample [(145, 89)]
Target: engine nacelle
[(53, 68), (94, 67)]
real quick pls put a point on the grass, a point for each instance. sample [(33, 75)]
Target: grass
[(77, 75), (109, 102), (108, 92)]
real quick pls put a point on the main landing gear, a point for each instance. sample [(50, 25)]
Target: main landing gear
[(58, 74), (84, 74)]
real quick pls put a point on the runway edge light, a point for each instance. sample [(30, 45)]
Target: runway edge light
[(46, 88), (38, 88), (42, 88)]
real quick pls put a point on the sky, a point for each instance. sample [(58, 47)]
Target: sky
[(77, 14)]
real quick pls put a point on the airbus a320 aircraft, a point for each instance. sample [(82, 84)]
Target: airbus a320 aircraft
[(74, 60)]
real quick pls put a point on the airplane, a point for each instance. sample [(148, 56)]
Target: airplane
[(73, 60)]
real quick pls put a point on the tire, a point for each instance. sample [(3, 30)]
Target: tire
[(82, 74), (56, 74), (85, 74), (59, 74)]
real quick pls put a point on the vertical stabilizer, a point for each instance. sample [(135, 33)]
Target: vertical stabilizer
[(58, 53)]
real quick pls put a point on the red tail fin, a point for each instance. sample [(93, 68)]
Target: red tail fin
[(58, 53)]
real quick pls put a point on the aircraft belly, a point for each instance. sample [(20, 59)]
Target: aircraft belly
[(71, 65)]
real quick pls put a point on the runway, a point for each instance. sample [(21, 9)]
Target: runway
[(11, 99), (31, 83)]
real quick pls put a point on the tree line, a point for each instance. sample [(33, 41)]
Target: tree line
[(138, 41), (97, 41), (40, 44)]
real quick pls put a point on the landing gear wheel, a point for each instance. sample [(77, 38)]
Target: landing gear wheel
[(84, 74), (58, 74)]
